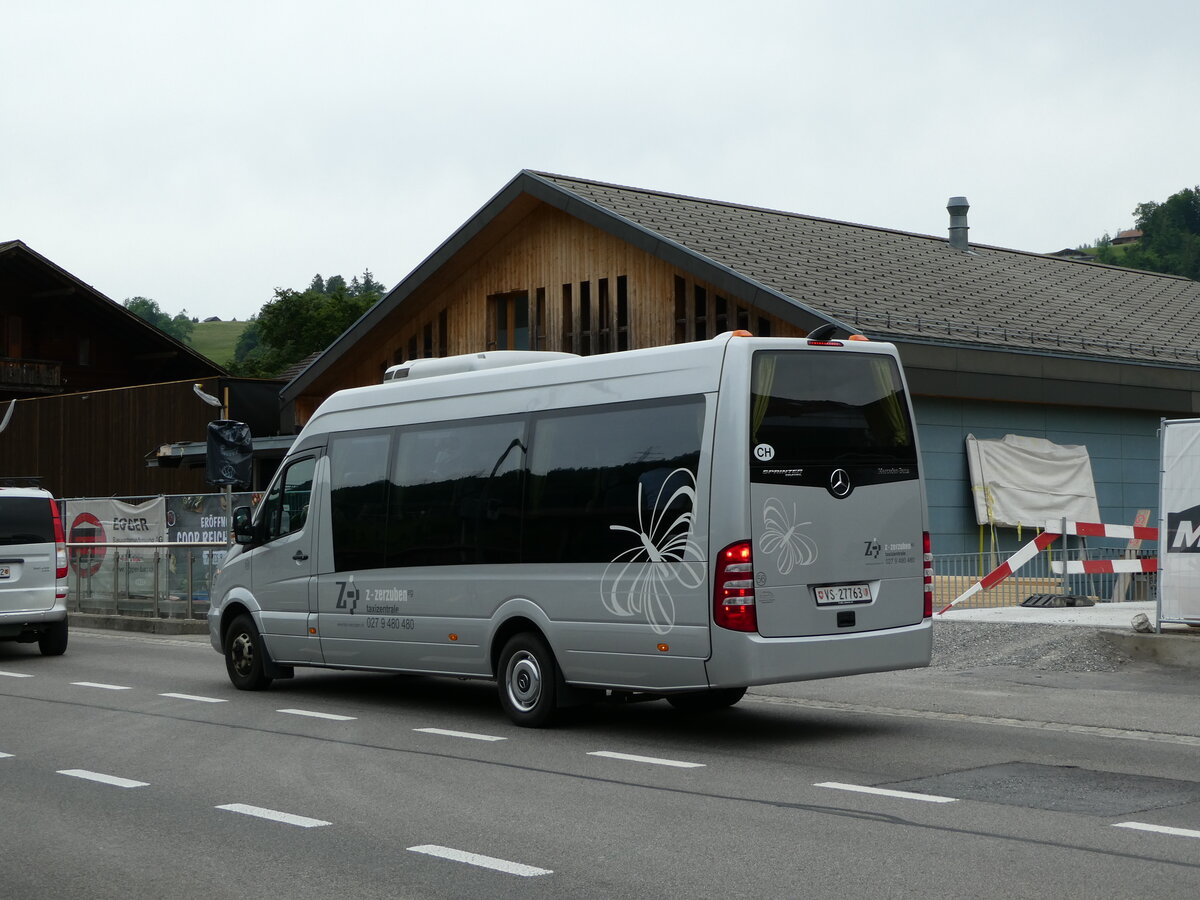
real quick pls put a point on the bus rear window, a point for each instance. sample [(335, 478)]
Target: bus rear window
[(827, 409)]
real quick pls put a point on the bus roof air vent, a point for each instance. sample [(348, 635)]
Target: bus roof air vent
[(470, 362)]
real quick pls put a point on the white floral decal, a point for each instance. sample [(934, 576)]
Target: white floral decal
[(638, 581), (781, 538)]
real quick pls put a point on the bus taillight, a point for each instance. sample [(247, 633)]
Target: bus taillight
[(928, 574), (733, 589)]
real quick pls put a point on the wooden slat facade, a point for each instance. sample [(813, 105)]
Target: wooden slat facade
[(555, 260), (93, 444)]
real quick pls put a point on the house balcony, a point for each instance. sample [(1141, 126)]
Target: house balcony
[(33, 376)]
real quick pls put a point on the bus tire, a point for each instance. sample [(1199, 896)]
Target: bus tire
[(527, 680), (244, 655), (53, 641), (706, 701)]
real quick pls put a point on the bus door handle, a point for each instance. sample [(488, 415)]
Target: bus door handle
[(300, 556)]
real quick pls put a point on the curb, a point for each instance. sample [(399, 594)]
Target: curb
[(140, 624), (1165, 649)]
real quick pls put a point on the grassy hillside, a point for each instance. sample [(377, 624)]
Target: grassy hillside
[(217, 340)]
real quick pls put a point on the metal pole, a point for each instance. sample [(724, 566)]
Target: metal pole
[(156, 583), (191, 613)]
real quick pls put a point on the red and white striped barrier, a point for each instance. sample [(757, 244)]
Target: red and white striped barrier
[(1093, 529), (1103, 566), (1055, 528), (1002, 571)]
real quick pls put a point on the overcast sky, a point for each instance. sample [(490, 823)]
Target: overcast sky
[(204, 153)]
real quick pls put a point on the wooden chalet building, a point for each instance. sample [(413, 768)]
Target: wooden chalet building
[(98, 390), (994, 340)]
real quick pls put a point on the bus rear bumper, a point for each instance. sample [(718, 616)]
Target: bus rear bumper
[(741, 660)]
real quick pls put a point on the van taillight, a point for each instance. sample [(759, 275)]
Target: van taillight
[(60, 553), (733, 589), (927, 548)]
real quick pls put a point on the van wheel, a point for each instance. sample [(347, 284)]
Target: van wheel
[(528, 682), (53, 641), (244, 655), (706, 701)]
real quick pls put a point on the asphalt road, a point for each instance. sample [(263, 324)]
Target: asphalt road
[(130, 767)]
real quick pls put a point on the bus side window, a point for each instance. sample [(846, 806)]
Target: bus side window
[(286, 507)]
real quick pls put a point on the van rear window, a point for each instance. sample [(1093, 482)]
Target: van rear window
[(819, 409), (26, 520)]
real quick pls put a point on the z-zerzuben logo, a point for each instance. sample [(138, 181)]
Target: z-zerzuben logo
[(1183, 531)]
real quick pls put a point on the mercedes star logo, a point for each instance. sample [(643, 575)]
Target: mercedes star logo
[(839, 483)]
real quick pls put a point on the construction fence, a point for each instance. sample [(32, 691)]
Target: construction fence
[(954, 573), (137, 556), (157, 556)]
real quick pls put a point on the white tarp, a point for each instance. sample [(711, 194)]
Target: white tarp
[(1179, 522), (1026, 481)]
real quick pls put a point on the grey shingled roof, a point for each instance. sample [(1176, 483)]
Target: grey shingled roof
[(900, 285)]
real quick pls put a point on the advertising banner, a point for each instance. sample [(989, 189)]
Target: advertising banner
[(202, 517), (112, 521), (1179, 522)]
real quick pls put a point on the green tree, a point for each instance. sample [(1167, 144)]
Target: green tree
[(1170, 239), (178, 326), (295, 324)]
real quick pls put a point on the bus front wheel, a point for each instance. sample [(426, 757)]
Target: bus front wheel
[(244, 655), (528, 680)]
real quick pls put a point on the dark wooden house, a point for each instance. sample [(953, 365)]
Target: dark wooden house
[(98, 390)]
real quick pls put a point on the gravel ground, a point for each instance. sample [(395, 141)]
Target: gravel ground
[(964, 645)]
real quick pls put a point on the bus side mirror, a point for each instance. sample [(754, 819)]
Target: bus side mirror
[(243, 527)]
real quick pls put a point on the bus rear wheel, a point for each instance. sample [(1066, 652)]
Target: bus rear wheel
[(528, 680), (706, 701)]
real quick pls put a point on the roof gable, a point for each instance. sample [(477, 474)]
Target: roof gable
[(885, 283)]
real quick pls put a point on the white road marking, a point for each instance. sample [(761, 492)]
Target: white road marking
[(274, 815), (102, 778), (106, 687), (1159, 829), (485, 862), (6, 756), (653, 760), (15, 675), (461, 734), (198, 699), (884, 792), (316, 715)]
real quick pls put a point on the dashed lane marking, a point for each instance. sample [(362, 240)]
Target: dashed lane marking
[(103, 687), (6, 756), (1159, 829), (16, 674), (461, 734), (317, 715), (884, 792), (195, 697), (652, 760), (484, 862), (274, 815), (103, 779)]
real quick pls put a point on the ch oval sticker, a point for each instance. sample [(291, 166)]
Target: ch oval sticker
[(764, 453)]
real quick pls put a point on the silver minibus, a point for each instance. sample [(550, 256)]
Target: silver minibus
[(678, 522)]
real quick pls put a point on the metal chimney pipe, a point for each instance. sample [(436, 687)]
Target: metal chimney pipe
[(957, 207)]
